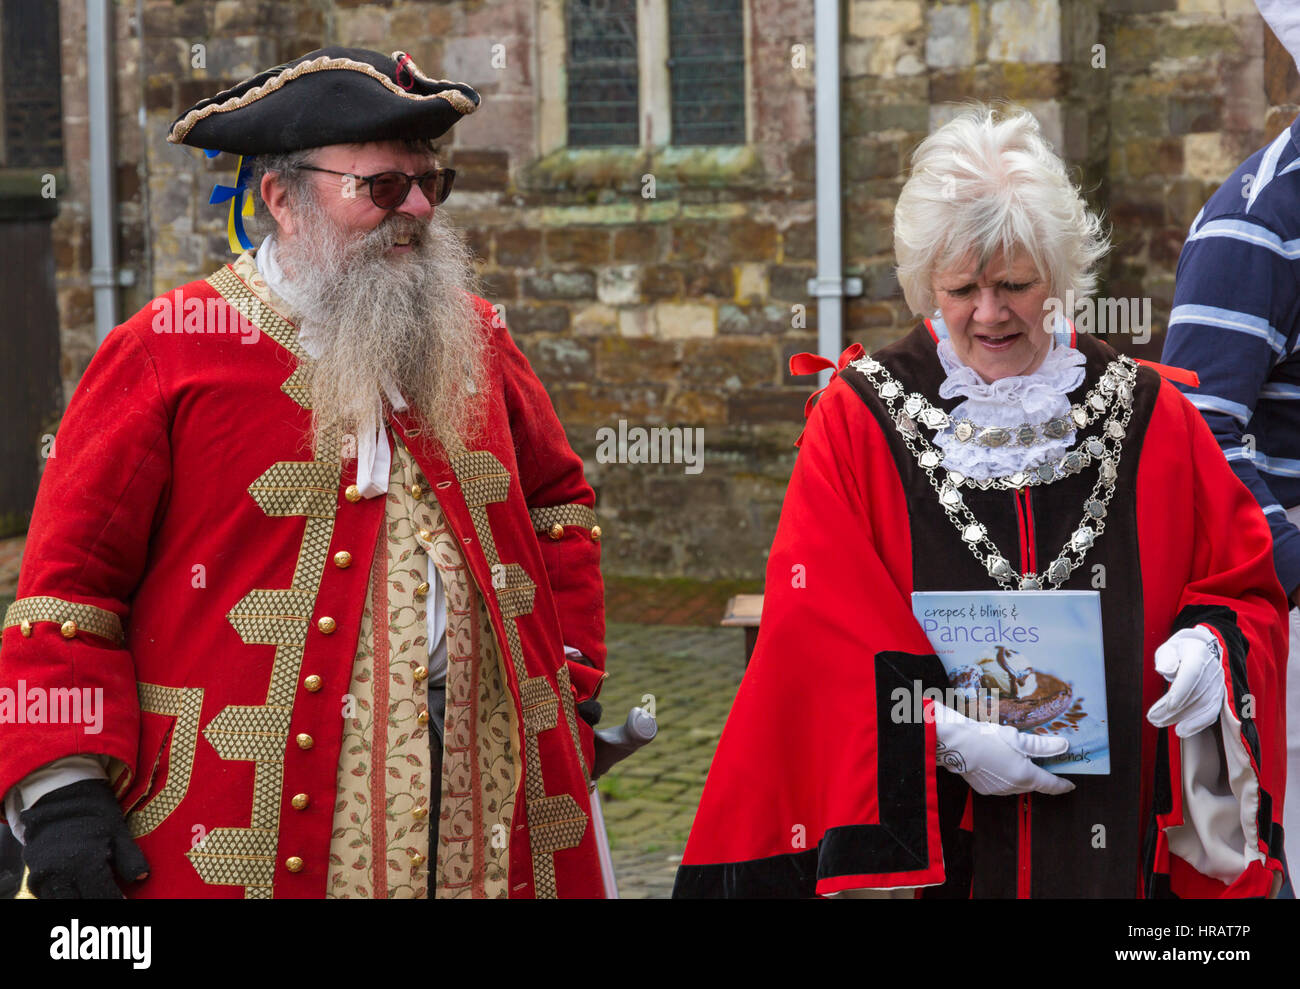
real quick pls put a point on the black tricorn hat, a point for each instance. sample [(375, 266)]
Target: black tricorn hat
[(329, 96)]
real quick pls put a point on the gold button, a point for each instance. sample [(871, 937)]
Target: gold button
[(417, 491), (420, 813), (300, 801), (305, 741), (69, 629), (26, 628), (595, 533), (417, 859), (424, 535), (422, 588), (421, 672), (352, 493), (327, 625), (343, 559), (293, 863), (422, 717), (313, 683), (557, 531)]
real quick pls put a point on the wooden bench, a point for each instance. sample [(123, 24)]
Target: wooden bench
[(744, 611)]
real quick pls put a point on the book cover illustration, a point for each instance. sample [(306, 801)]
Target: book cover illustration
[(1029, 659)]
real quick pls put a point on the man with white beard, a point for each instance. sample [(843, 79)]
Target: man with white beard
[(314, 529)]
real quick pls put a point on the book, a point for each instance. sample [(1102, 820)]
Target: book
[(1029, 659)]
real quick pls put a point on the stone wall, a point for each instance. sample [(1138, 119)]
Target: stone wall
[(668, 287)]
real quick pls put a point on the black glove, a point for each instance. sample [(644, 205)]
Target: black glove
[(11, 864), (590, 712), (75, 838)]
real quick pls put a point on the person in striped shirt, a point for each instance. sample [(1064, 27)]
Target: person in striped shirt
[(1236, 322)]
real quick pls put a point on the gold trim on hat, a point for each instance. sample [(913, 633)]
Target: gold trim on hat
[(458, 100)]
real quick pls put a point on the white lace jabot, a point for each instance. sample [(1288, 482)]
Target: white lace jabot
[(1028, 398)]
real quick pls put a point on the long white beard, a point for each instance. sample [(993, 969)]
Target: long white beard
[(377, 318)]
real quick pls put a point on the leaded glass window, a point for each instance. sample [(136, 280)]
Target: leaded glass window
[(603, 73), (32, 135), (706, 68)]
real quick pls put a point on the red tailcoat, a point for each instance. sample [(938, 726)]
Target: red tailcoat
[(187, 529), (817, 787)]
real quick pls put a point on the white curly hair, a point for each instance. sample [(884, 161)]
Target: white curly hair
[(985, 180)]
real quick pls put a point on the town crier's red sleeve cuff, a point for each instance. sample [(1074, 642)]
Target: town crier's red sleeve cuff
[(61, 683)]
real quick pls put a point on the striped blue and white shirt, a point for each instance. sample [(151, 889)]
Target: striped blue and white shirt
[(1235, 321)]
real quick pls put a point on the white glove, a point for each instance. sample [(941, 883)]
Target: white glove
[(1191, 662), (994, 759)]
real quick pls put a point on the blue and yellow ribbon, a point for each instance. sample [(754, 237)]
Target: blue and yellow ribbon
[(241, 203)]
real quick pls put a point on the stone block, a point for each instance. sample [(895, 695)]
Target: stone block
[(560, 358), (790, 282), (1135, 113), (767, 405), (620, 360), (595, 320), (424, 21), (497, 284), (480, 170), (753, 320), (729, 363), (950, 37), (866, 158), (363, 27), (479, 241), (527, 318), (1024, 31), (1197, 113), (520, 247), (881, 18), (661, 281), (578, 245), (1157, 156), (750, 282), (618, 285), (699, 407), (560, 285), (232, 17), (799, 241), (689, 241), (639, 243), (1136, 46), (1209, 156), (871, 111), (635, 322), (743, 240), (711, 281), (581, 404), (679, 320)]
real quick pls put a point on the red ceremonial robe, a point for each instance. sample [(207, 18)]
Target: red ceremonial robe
[(816, 789), (194, 560)]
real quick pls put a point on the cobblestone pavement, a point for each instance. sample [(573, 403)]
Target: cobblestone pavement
[(650, 798)]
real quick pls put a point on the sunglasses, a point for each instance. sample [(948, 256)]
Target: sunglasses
[(388, 190)]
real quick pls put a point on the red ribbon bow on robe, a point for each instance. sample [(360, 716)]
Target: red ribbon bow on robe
[(812, 363)]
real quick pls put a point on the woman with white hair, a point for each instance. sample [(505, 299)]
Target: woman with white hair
[(996, 449)]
